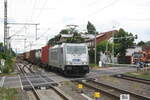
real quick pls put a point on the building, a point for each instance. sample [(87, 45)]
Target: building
[(100, 37), (89, 38), (130, 51)]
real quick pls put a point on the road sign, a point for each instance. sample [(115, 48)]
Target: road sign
[(124, 97)]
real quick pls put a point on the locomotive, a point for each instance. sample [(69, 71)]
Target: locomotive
[(71, 59)]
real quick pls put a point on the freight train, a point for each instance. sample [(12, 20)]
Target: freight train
[(67, 58)]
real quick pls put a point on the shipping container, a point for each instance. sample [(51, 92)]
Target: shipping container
[(44, 54), (27, 55), (32, 56), (38, 56), (24, 55)]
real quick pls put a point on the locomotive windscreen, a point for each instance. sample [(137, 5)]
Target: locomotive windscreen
[(76, 49)]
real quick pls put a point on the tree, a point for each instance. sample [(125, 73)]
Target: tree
[(141, 43), (54, 40), (148, 43), (101, 47), (1, 47), (91, 28), (64, 31), (123, 40), (76, 38)]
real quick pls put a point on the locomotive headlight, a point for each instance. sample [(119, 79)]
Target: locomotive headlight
[(84, 63), (69, 62)]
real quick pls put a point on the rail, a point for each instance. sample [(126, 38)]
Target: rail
[(33, 89), (121, 90), (131, 78)]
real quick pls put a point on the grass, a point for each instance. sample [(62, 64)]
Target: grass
[(8, 94), (93, 65), (143, 75), (7, 74)]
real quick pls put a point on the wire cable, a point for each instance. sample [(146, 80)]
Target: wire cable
[(110, 4), (32, 13), (41, 10)]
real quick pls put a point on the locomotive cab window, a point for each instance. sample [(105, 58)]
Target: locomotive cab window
[(76, 49)]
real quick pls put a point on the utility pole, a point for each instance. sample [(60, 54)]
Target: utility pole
[(95, 49), (7, 39), (5, 25), (36, 31)]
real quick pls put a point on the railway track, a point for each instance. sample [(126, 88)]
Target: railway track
[(29, 83), (126, 77), (37, 96), (111, 91)]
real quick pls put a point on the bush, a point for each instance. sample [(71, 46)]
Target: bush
[(92, 57), (9, 63)]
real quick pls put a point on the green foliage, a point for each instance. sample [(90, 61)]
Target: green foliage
[(91, 28), (93, 65), (92, 56), (101, 47), (75, 39), (123, 40), (148, 43), (8, 94), (143, 75), (64, 31), (8, 56), (54, 40), (141, 43)]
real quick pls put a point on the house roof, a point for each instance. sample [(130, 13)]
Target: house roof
[(102, 36)]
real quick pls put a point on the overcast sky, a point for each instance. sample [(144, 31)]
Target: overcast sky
[(53, 15)]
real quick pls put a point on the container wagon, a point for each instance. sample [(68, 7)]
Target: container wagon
[(27, 56), (70, 59), (44, 56), (32, 56), (37, 57)]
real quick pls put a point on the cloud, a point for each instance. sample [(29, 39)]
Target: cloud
[(132, 15)]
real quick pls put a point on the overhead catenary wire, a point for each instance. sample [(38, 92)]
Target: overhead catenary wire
[(103, 8), (32, 12), (41, 10)]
